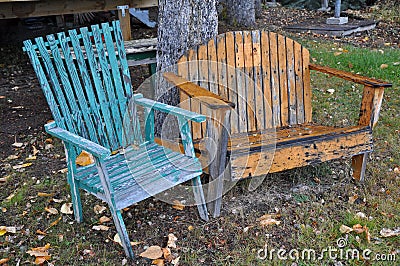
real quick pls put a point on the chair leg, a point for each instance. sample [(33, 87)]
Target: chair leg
[(359, 163), (123, 234), (199, 198), (215, 189), (76, 198)]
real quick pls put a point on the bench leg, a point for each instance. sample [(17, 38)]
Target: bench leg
[(199, 198), (123, 234), (215, 189), (359, 163)]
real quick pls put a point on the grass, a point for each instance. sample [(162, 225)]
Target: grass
[(312, 201)]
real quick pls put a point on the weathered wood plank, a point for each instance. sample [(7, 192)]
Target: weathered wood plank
[(291, 82), (296, 154), (125, 19), (202, 56), (307, 86), (283, 80), (298, 58), (275, 89), (183, 71), (231, 77), (258, 93), (213, 74), (223, 87), (194, 105), (241, 82), (266, 80), (249, 83)]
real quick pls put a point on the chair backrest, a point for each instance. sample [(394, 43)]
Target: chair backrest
[(86, 81), (265, 74)]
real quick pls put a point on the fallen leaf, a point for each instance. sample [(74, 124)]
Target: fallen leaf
[(48, 146), (117, 239), (84, 159), (337, 53), (54, 223), (396, 63), (4, 261), (43, 194), (17, 144), (175, 261), (30, 158), (331, 91), (34, 151), (63, 171), (3, 209), (152, 252), (12, 195), (190, 228), (158, 262), (269, 219), (353, 198), (51, 210), (66, 208), (57, 200), (100, 227), (367, 234), (7, 229), (3, 230), (171, 241), (166, 252), (383, 66), (344, 229), (15, 167), (178, 205), (49, 140), (99, 209), (360, 215), (12, 157), (42, 259), (89, 252), (41, 232), (104, 219), (386, 232), (358, 228)]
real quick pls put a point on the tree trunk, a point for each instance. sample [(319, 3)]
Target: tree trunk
[(241, 12), (181, 25)]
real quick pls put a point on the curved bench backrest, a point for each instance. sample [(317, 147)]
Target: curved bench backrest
[(266, 75)]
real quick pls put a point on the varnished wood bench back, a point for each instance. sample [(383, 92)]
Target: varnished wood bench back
[(277, 90)]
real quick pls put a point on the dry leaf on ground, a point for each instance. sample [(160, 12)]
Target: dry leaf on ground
[(344, 229), (158, 262), (7, 229), (171, 241), (353, 198), (386, 232), (178, 205), (383, 66), (43, 194), (269, 219), (152, 252), (41, 254), (99, 209), (104, 219), (4, 261), (117, 239), (51, 210), (66, 208), (100, 227), (15, 167)]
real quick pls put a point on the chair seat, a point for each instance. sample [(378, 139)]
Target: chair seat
[(259, 153), (139, 172)]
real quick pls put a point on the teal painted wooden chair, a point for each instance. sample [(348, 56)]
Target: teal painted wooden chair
[(86, 81)]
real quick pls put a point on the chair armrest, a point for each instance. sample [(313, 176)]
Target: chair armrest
[(169, 109), (206, 97), (370, 82), (84, 144)]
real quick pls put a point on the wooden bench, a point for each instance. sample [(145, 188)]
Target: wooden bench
[(260, 93), (142, 52)]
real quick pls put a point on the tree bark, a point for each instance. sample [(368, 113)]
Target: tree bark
[(181, 25), (241, 12)]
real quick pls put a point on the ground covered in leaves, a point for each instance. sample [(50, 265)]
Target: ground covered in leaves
[(312, 207)]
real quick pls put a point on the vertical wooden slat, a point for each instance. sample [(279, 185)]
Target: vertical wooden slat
[(231, 79), (298, 59), (223, 89), (283, 81), (258, 93), (213, 73), (241, 82), (183, 71), (266, 82), (307, 86), (249, 80), (194, 104), (105, 116), (275, 95), (291, 81), (87, 83), (108, 85), (65, 110), (202, 56), (126, 77), (44, 84)]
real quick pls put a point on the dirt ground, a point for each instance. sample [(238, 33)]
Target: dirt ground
[(24, 111)]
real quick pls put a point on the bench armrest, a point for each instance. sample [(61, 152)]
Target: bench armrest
[(84, 144), (169, 109), (206, 97), (370, 82)]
